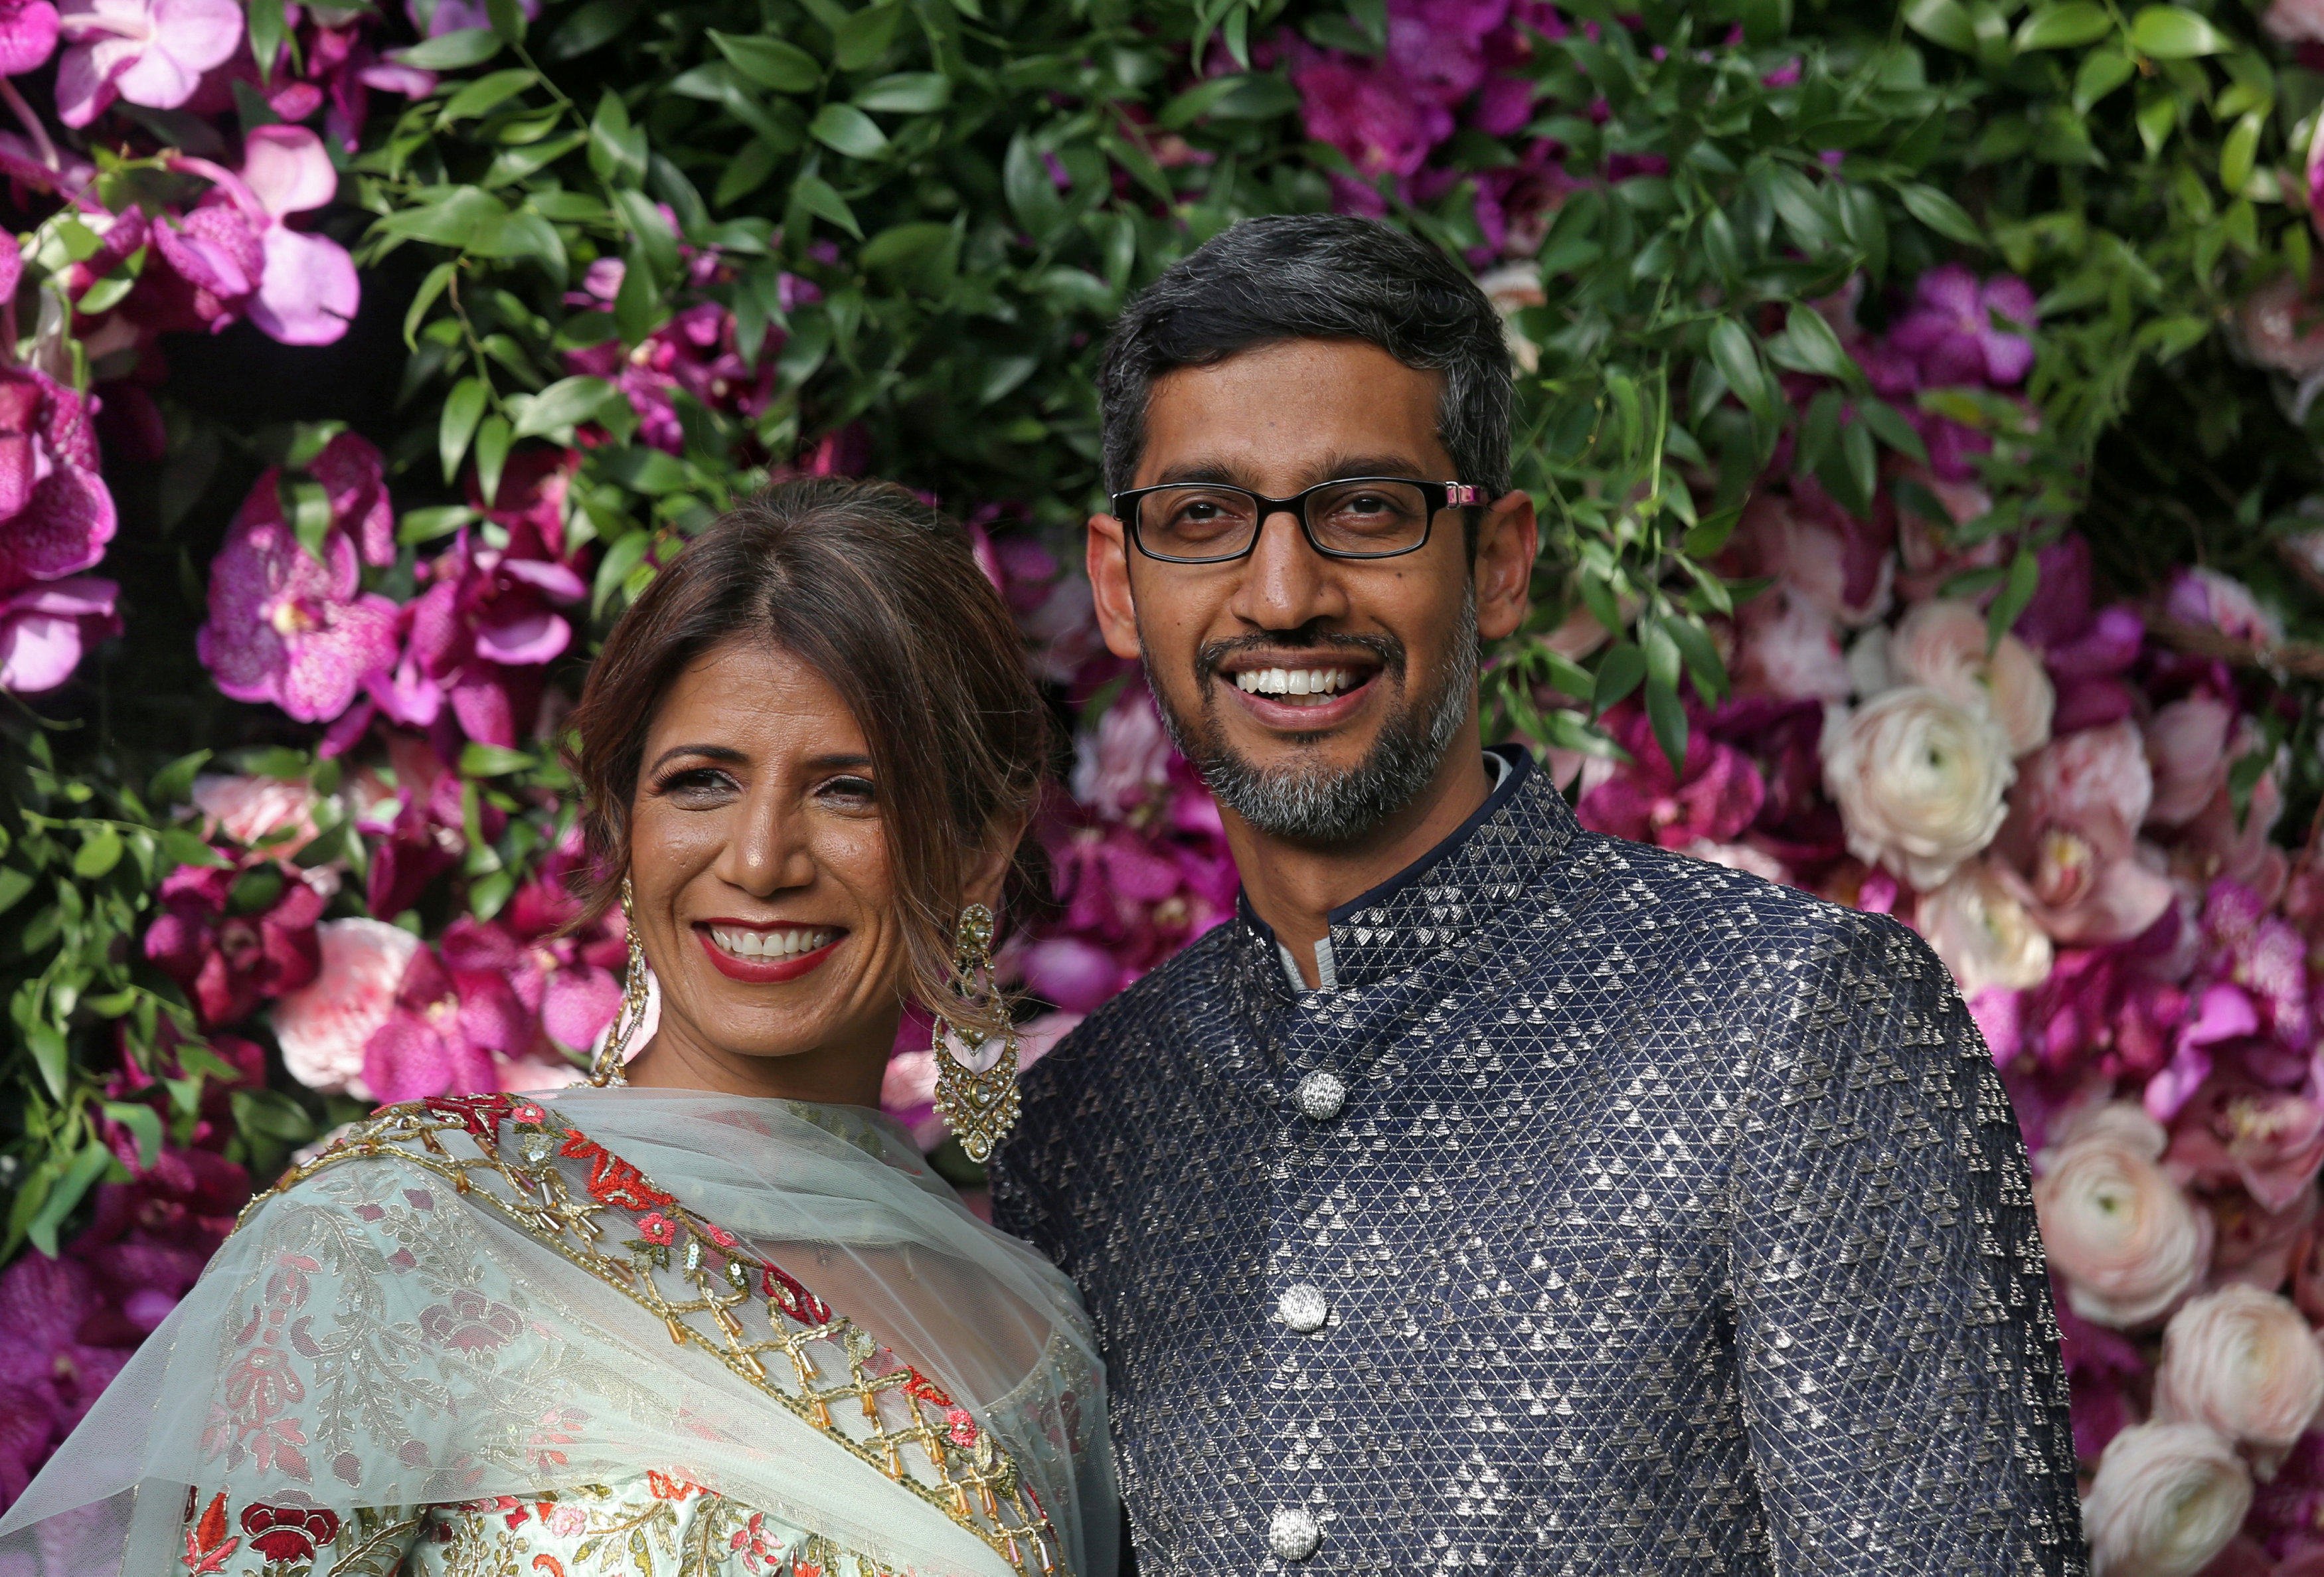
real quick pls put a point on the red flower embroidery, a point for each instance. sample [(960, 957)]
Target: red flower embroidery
[(926, 1390), (964, 1426), (479, 1114), (719, 1235), (288, 1533), (657, 1228), (470, 1322), (665, 1486), (612, 1180), (207, 1547), (793, 1299)]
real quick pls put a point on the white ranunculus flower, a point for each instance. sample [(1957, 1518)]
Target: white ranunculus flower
[(2244, 1363), (324, 1026), (1919, 779), (2123, 1235), (1984, 934), (2167, 1498)]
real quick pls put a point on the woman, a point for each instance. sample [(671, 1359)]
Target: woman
[(720, 1321)]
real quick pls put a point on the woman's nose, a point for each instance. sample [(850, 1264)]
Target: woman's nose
[(769, 851)]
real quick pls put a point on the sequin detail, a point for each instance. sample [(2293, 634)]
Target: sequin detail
[(1673, 1222)]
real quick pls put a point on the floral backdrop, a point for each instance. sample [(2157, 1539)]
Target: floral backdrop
[(1921, 403)]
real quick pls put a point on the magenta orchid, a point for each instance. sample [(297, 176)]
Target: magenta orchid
[(150, 53), (1959, 330), (28, 37), (229, 961), (45, 630), (240, 255), (1711, 800), (56, 514)]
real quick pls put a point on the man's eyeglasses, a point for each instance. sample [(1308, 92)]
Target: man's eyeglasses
[(1350, 517)]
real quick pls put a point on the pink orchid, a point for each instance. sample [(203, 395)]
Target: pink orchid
[(478, 636), (1712, 799), (2255, 1245), (418, 832), (2271, 1141), (28, 37), (1960, 331), (1370, 113), (448, 1022), (56, 515), (150, 53), (695, 351), (2212, 601), (240, 255), (229, 961), (44, 629), (2265, 955), (566, 982), (2187, 743), (1075, 974), (1788, 648), (2219, 844), (2069, 846), (285, 627), (1840, 564)]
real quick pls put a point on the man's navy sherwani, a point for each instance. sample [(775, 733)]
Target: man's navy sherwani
[(1607, 1211)]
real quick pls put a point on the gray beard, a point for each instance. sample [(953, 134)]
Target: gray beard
[(1304, 802)]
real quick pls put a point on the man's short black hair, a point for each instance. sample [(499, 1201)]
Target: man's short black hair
[(1316, 276)]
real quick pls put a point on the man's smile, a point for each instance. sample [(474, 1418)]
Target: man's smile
[(1301, 691)]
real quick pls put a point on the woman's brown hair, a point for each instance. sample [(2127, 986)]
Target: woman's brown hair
[(882, 595)]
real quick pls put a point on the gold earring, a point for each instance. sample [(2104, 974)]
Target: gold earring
[(979, 1108), (607, 1070)]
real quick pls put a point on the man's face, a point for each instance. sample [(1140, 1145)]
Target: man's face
[(1318, 696)]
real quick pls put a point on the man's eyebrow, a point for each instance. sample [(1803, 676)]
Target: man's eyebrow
[(1335, 466), (725, 753)]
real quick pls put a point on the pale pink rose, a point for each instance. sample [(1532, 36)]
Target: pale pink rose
[(251, 809), (1983, 933), (2187, 747), (2167, 1498), (2070, 842), (2244, 1362), (325, 1023), (1849, 577), (2218, 602), (1511, 289), (1942, 644), (2282, 329), (2120, 1232), (1788, 648), (1919, 780), (2294, 22)]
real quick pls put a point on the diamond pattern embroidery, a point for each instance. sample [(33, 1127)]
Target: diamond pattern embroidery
[(1672, 1222)]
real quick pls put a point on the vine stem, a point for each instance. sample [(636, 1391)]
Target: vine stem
[(31, 125)]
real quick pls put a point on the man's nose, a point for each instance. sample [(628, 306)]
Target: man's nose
[(1286, 583)]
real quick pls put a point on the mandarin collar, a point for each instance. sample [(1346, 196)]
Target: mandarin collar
[(1504, 847)]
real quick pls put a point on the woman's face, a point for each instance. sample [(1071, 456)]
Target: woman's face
[(763, 896)]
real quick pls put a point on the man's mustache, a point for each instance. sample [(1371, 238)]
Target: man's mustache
[(1213, 654)]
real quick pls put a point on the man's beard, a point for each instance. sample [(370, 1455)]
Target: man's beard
[(1304, 802)]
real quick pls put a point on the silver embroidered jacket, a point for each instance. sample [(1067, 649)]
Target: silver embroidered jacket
[(1609, 1212)]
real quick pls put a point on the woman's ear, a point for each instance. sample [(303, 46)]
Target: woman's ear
[(988, 873)]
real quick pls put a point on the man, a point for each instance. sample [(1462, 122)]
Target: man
[(1491, 1196)]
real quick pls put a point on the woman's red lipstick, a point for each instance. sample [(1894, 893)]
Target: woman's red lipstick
[(760, 971)]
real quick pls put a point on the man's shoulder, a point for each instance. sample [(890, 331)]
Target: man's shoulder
[(1681, 901), (1148, 1008)]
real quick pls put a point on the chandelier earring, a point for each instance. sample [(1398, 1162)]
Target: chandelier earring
[(614, 1053), (979, 1108)]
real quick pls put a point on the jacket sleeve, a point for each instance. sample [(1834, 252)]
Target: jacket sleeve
[(1897, 1348)]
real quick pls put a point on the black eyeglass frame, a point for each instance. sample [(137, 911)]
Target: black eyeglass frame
[(1439, 496)]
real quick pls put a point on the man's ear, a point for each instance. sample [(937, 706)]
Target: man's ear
[(1508, 539), (1109, 579)]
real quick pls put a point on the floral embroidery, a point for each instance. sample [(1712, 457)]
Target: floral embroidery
[(480, 1115), (207, 1547), (470, 1322), (612, 1180), (792, 1298), (657, 1229), (288, 1533)]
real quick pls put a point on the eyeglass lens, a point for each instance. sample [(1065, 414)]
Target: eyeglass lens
[(1361, 519)]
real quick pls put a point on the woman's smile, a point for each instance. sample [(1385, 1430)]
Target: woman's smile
[(767, 954)]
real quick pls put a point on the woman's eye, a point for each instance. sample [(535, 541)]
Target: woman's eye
[(696, 783), (850, 789)]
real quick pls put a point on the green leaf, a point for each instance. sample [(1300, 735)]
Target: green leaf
[(464, 406), (493, 440), (175, 781), (617, 148), (463, 218), (626, 553), (430, 287), (2024, 579), (486, 93), (1620, 671), (14, 885), (478, 759), (2069, 26), (92, 1163), (100, 853), (771, 63), (142, 1122), (745, 173), (507, 17), (907, 93), (452, 52), (1808, 344), (1667, 713), (2241, 151), (864, 39), (1889, 425), (1943, 22), (1942, 214), (1736, 357), (307, 508), (264, 22), (848, 130), (593, 25), (2173, 32), (2100, 74), (560, 406), (816, 196)]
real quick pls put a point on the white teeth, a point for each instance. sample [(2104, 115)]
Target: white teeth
[(1304, 681), (788, 941)]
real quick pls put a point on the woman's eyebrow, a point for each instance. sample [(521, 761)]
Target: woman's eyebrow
[(714, 753), (835, 763)]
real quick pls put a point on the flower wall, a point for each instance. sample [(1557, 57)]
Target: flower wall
[(1922, 421)]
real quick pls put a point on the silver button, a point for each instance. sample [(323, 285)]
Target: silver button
[(1302, 1307), (1292, 1534), (1321, 1095)]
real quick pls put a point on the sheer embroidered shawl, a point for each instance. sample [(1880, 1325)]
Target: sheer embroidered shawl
[(498, 1294)]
